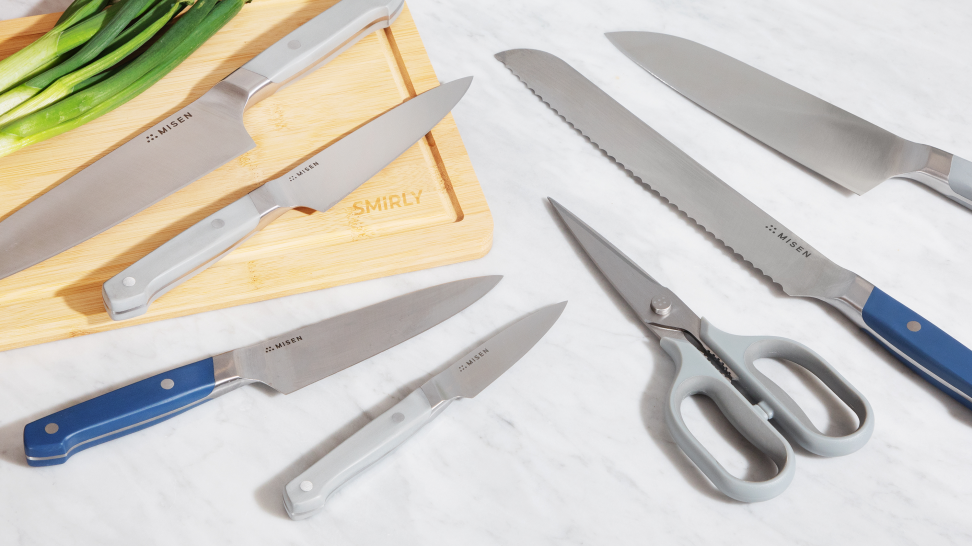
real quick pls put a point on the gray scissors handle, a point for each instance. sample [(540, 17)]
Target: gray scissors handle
[(695, 375), (740, 352)]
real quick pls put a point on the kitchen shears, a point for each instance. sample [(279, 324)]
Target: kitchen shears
[(720, 366)]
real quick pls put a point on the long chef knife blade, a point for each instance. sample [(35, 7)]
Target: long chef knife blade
[(187, 145), (837, 144), (745, 228), (318, 183), (306, 494), (286, 363)]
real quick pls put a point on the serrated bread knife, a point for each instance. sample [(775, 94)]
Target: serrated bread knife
[(285, 363), (852, 152), (306, 494), (187, 145), (742, 226), (318, 183)]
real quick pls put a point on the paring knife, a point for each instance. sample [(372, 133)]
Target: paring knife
[(318, 183), (306, 494), (285, 363), (833, 142), (187, 145), (742, 226)]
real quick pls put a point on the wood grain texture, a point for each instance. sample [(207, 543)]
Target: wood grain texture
[(376, 231)]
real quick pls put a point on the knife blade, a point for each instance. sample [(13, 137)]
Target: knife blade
[(285, 363), (849, 150), (318, 183), (772, 248), (306, 494), (187, 145)]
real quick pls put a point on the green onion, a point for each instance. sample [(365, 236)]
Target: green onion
[(15, 68), (67, 84), (157, 61)]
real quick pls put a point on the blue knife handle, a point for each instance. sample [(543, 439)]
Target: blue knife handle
[(52, 439), (947, 363)]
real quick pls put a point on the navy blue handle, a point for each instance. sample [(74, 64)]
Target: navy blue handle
[(937, 352), (52, 439)]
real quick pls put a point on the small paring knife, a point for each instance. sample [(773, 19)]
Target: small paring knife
[(318, 183), (852, 152), (286, 363), (306, 494)]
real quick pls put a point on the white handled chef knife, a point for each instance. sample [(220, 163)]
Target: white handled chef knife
[(306, 494), (285, 363), (760, 239), (189, 144), (318, 183), (856, 154)]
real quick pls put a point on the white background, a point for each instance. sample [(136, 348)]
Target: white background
[(568, 447)]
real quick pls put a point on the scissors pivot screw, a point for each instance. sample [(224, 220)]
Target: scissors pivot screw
[(661, 305)]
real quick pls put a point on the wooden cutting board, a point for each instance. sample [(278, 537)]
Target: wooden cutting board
[(424, 210)]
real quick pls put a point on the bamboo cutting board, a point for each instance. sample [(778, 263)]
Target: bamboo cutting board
[(424, 210)]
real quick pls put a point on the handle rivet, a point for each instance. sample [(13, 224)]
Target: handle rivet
[(661, 306), (167, 384), (51, 428), (914, 326), (128, 281), (306, 485), (397, 417), (218, 223), (294, 44)]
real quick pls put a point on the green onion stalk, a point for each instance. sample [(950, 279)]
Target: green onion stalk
[(116, 18), (189, 32), (44, 51), (149, 24)]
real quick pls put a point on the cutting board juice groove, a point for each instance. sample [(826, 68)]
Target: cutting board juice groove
[(424, 210)]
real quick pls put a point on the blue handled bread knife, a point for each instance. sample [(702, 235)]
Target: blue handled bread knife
[(759, 238), (285, 363)]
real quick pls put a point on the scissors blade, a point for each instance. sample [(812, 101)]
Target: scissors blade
[(653, 303)]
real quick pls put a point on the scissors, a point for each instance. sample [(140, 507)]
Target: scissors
[(720, 366)]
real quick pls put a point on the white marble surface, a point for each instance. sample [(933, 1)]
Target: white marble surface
[(569, 447)]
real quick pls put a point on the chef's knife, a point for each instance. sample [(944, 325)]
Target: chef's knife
[(187, 145), (759, 238), (285, 363), (837, 144), (318, 183), (306, 494)]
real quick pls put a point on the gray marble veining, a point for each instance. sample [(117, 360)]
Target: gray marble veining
[(569, 447)]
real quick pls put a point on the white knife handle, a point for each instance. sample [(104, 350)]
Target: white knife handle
[(960, 177), (322, 38), (129, 293), (306, 494)]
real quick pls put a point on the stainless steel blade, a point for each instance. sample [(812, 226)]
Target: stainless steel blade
[(338, 170), (298, 358), (189, 144), (837, 144), (762, 240), (472, 373), (649, 299)]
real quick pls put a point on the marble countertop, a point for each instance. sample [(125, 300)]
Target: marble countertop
[(570, 446)]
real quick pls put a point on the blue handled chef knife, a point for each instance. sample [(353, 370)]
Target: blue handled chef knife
[(285, 363), (759, 238)]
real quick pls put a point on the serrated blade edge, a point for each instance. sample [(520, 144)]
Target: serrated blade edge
[(722, 211)]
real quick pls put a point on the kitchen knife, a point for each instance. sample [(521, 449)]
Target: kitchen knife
[(285, 363), (742, 226), (306, 494), (837, 144), (318, 183), (187, 145)]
